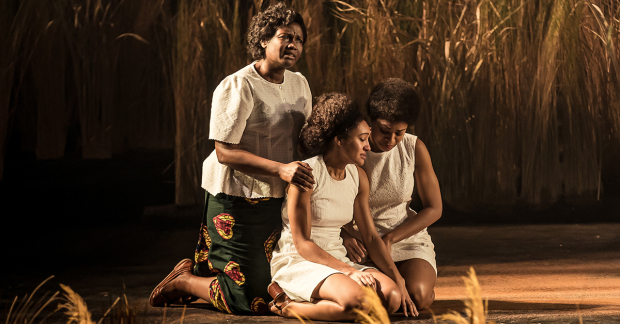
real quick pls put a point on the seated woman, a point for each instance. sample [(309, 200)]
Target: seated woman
[(395, 162), (309, 263)]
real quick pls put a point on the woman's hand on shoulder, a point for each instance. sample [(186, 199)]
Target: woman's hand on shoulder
[(298, 174), (364, 279)]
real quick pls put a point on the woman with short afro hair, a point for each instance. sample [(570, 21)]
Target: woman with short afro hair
[(312, 276), (395, 162), (256, 116)]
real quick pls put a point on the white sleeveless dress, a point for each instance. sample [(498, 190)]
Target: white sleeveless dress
[(390, 175), (332, 207)]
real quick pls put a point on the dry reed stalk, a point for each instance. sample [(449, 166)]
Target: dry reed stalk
[(209, 40), (377, 313), (48, 63), (75, 307), (7, 67), (475, 308), (94, 51), (28, 310), (144, 115)]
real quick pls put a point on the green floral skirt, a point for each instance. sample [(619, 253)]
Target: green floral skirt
[(236, 241)]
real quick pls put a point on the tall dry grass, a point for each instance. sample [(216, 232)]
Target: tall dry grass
[(518, 96), (95, 65), (7, 66)]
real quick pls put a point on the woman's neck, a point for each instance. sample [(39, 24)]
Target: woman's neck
[(269, 72), (335, 164)]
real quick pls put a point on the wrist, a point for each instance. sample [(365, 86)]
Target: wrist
[(387, 239)]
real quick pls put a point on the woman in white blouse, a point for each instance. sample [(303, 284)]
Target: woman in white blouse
[(397, 160), (256, 116)]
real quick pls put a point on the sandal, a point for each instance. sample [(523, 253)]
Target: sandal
[(280, 299), (157, 299)]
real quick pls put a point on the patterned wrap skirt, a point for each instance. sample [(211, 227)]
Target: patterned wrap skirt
[(235, 244)]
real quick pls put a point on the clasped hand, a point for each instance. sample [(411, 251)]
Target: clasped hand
[(298, 174)]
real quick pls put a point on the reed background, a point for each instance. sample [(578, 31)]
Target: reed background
[(521, 99)]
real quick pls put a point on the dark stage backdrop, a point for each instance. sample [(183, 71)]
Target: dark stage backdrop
[(521, 100)]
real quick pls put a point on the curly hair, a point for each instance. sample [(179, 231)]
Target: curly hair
[(394, 100), (265, 24), (333, 115)]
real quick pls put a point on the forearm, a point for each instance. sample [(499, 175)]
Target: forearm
[(312, 252), (381, 257), (249, 163), (414, 224)]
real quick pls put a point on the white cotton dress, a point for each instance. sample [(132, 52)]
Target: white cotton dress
[(332, 207), (390, 175)]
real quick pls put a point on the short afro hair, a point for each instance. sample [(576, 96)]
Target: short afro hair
[(394, 100), (333, 115), (265, 24)]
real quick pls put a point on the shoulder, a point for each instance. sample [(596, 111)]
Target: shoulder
[(422, 156), (296, 76), (409, 144), (296, 80), (240, 80), (313, 161), (362, 179)]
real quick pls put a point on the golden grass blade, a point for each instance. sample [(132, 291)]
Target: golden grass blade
[(108, 311), (44, 305), (377, 313), (300, 318), (475, 308), (11, 310), (75, 307)]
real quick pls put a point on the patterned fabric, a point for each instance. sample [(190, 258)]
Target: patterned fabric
[(259, 307), (217, 298), (204, 243), (233, 248), (270, 244)]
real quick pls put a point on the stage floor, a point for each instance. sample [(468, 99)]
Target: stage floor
[(529, 273)]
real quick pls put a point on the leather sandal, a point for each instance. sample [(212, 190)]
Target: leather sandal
[(280, 299), (157, 299)]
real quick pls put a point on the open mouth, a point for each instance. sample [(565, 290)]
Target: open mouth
[(289, 55)]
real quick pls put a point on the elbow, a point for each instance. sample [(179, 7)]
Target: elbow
[(439, 211), (221, 155)]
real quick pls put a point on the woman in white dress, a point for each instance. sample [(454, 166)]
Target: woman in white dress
[(397, 160), (309, 264)]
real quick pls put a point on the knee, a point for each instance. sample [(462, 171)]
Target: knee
[(422, 297), (393, 300), (356, 301)]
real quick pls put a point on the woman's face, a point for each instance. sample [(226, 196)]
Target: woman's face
[(386, 135), (354, 147), (285, 47)]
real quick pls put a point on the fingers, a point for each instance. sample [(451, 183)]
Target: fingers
[(412, 308), (359, 249)]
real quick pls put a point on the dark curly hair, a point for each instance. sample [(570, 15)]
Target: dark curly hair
[(333, 115), (265, 24), (394, 100)]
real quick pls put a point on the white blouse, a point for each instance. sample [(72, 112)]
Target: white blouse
[(265, 119)]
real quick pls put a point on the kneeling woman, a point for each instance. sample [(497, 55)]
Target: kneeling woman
[(309, 262)]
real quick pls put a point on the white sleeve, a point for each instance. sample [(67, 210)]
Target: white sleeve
[(230, 109)]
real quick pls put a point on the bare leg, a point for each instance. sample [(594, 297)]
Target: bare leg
[(188, 284), (420, 278), (335, 299), (387, 290)]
